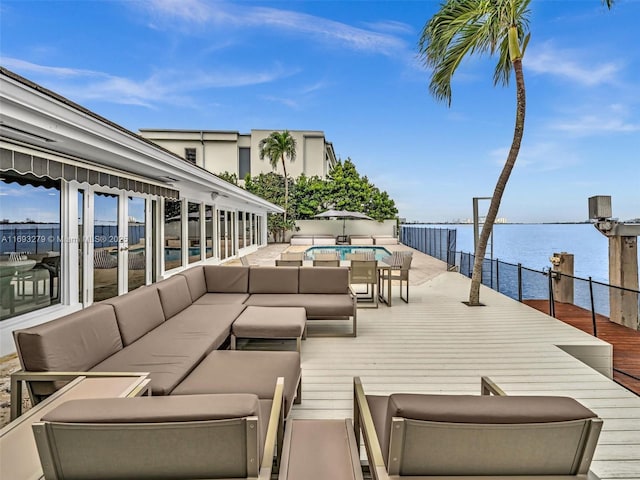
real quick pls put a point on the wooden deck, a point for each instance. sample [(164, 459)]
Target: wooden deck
[(436, 344), (625, 341)]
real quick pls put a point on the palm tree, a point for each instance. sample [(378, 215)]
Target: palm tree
[(465, 27), (276, 147)]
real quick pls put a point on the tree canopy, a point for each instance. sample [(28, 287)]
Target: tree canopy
[(343, 189)]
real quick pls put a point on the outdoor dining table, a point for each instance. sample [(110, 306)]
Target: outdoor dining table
[(384, 273)]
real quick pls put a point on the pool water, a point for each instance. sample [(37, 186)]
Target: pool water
[(380, 252)]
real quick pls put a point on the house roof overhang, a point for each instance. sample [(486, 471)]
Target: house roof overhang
[(33, 115)]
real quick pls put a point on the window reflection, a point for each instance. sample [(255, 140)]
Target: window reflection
[(194, 232), (172, 234), (208, 229), (29, 244)]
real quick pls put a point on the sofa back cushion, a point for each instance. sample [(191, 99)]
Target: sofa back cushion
[(273, 280), (223, 279), (332, 280), (73, 343), (137, 312), (196, 282), (174, 295)]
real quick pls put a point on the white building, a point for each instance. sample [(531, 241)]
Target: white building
[(90, 210), (234, 152)]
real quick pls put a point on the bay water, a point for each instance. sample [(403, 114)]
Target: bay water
[(533, 244)]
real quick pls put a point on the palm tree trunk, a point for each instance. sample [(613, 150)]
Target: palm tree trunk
[(286, 197), (481, 248)]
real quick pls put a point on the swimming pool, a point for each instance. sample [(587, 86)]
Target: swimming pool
[(380, 252)]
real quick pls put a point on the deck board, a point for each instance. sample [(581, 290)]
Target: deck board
[(436, 344), (625, 341)]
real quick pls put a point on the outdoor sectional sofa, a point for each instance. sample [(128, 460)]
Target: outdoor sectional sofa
[(175, 330)]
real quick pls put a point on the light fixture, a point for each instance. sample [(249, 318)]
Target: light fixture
[(214, 195)]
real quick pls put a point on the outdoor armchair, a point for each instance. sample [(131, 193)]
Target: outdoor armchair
[(231, 436), (471, 436)]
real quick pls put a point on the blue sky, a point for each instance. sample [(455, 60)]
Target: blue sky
[(351, 69)]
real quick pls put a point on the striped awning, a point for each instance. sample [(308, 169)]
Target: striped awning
[(23, 163)]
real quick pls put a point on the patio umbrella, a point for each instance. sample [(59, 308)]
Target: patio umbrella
[(343, 214)]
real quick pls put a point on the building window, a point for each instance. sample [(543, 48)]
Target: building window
[(194, 232), (172, 234), (30, 243), (244, 163), (208, 230), (190, 155)]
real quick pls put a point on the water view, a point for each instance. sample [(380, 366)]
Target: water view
[(533, 244)]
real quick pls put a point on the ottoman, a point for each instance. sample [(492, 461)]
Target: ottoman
[(270, 322)]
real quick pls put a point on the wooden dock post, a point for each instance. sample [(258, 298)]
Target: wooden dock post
[(563, 283)]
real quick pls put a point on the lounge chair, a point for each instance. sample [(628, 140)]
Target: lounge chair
[(229, 436), (470, 436), (360, 239), (102, 259)]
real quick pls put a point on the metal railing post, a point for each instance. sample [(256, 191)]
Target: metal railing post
[(552, 307), (593, 308), (520, 282), (497, 275)]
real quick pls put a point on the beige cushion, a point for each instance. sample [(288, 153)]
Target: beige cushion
[(270, 322), (486, 409), (174, 295), (196, 282), (73, 343), (188, 408), (315, 305), (173, 349), (273, 280), (325, 280), (233, 371), (137, 312), (221, 298), (226, 279)]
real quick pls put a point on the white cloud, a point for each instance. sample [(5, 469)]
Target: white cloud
[(595, 124), (609, 119), (63, 72), (169, 87), (547, 59), (535, 156), (226, 14)]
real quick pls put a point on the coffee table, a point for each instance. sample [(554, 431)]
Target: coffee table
[(19, 458)]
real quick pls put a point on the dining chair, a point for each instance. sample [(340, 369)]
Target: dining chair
[(288, 263), (326, 263), (365, 272)]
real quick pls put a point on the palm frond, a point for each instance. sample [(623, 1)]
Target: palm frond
[(467, 27)]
